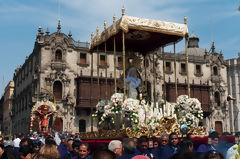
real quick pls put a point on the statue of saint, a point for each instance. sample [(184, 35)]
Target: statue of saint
[(133, 81), (44, 119)]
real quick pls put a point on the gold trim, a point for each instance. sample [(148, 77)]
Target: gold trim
[(124, 66), (175, 70), (126, 22)]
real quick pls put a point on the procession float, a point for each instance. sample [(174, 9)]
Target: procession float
[(130, 112)]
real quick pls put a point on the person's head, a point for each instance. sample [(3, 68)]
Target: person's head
[(75, 146), (50, 141), (104, 154), (186, 146), (116, 147), (24, 142), (135, 140), (173, 137), (129, 146), (25, 152), (155, 143), (69, 145), (6, 138), (143, 143), (84, 150), (213, 155), (34, 135), (49, 151), (36, 146), (214, 138), (63, 140), (1, 149), (164, 140), (21, 136), (189, 135)]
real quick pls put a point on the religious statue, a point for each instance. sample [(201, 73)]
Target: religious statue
[(44, 119), (133, 81)]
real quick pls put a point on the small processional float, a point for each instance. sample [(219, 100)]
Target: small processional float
[(41, 114), (130, 112)]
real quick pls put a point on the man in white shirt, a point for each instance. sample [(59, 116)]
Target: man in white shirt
[(16, 142)]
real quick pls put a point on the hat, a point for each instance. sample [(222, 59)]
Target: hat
[(140, 157)]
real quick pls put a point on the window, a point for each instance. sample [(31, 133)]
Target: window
[(83, 58), (57, 90), (217, 98), (183, 67), (168, 67), (58, 55), (198, 69), (102, 60), (119, 61), (215, 70), (82, 125)]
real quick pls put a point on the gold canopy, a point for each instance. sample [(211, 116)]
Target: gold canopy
[(142, 35)]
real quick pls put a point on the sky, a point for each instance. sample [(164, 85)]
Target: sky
[(210, 20)]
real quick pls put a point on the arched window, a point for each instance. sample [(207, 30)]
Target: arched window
[(57, 90), (215, 70), (58, 55), (217, 98), (82, 125)]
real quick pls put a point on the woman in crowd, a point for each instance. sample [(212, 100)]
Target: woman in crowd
[(49, 150)]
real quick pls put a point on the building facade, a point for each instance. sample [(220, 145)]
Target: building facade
[(208, 82), (61, 68), (233, 88), (7, 107)]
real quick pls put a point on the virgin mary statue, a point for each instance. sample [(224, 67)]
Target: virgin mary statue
[(133, 80)]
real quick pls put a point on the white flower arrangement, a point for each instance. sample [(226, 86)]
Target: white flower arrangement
[(188, 110), (142, 114)]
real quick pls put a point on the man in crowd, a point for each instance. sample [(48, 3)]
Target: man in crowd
[(25, 152), (3, 154), (16, 142), (75, 151), (164, 140), (116, 147), (163, 143), (67, 154), (142, 147), (211, 146), (62, 148), (169, 150), (84, 151), (129, 148)]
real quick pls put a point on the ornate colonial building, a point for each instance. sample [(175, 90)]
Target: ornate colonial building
[(62, 68), (208, 82), (49, 72), (7, 107), (233, 88)]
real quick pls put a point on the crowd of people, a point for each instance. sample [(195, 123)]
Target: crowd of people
[(71, 147)]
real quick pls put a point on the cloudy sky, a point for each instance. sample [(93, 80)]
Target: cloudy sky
[(210, 20)]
